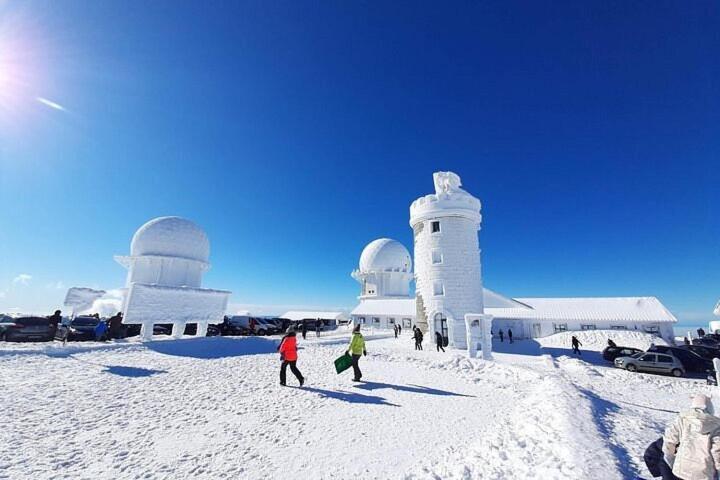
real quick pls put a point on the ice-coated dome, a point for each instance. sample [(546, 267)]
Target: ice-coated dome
[(385, 254), (171, 237)]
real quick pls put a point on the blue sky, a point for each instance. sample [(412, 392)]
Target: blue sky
[(297, 132)]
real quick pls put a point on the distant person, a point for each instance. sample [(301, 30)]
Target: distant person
[(115, 326), (252, 324), (399, 329), (655, 461), (318, 327), (55, 321), (304, 329), (418, 336), (101, 331), (691, 444), (288, 356), (439, 342), (395, 329), (502, 336), (510, 335), (686, 341), (576, 345), (611, 343), (700, 332), (356, 348)]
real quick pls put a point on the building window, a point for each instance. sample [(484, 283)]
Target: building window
[(437, 257), (391, 321), (376, 319), (652, 329), (435, 226), (361, 319), (618, 327), (587, 327), (560, 327), (407, 322), (438, 288)]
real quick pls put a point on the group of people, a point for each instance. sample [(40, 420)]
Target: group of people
[(501, 334), (304, 328), (104, 330), (289, 356)]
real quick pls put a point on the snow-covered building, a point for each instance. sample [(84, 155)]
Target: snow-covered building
[(541, 317), (168, 257), (449, 282), (334, 317), (714, 325)]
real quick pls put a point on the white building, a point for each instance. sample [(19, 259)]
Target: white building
[(448, 280), (714, 325), (168, 257), (334, 318)]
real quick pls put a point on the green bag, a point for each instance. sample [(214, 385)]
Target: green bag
[(343, 363)]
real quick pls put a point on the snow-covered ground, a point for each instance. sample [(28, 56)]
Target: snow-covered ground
[(213, 408)]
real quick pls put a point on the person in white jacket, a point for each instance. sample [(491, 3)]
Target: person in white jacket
[(691, 444)]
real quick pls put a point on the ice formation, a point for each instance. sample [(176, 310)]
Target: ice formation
[(168, 256)]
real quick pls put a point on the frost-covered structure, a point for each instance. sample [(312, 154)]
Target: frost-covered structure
[(168, 257), (714, 325), (447, 258)]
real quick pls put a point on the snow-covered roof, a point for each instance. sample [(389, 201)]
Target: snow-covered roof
[(493, 299), (400, 307), (171, 237), (308, 314), (385, 255), (619, 309)]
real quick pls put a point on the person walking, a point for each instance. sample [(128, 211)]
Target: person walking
[(576, 345), (115, 326), (691, 444), (395, 329), (304, 329), (510, 335), (101, 331), (418, 336), (318, 327), (502, 336), (439, 342), (55, 320), (288, 356), (399, 329), (355, 349)]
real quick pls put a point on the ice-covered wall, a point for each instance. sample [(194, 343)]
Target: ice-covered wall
[(447, 261)]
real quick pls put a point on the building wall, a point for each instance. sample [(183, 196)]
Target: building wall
[(383, 321), (459, 272), (168, 271), (525, 328)]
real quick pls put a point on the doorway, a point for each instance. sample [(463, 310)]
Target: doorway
[(442, 327), (536, 332)]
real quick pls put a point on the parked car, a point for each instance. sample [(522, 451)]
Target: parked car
[(81, 328), (264, 326), (692, 362), (652, 362), (611, 353), (708, 353), (233, 326), (27, 329), (191, 329), (707, 341)]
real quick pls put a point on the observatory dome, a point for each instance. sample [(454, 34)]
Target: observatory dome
[(171, 237), (385, 255)]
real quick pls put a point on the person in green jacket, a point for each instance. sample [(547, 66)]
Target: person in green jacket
[(356, 348)]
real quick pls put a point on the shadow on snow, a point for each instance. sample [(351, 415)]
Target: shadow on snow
[(132, 372), (350, 397), (408, 388), (209, 348)]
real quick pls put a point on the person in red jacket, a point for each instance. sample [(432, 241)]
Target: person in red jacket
[(288, 356)]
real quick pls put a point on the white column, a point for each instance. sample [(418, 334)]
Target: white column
[(487, 337), (178, 329), (201, 329), (146, 332), (477, 327)]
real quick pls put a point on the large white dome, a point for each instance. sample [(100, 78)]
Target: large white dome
[(385, 255), (171, 237)]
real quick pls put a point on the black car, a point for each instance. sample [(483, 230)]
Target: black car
[(707, 353), (690, 360), (611, 353), (231, 327), (28, 329), (706, 341), (79, 329)]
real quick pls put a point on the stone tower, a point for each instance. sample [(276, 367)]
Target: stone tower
[(448, 278)]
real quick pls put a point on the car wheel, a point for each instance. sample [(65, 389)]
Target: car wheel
[(262, 332), (631, 368), (676, 372)]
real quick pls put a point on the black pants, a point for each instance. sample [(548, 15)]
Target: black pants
[(440, 347), (293, 369), (356, 366), (576, 350)]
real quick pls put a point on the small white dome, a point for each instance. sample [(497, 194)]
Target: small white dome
[(171, 237), (385, 255)]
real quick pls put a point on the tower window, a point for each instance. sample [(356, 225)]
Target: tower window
[(435, 226), (438, 288), (437, 257)]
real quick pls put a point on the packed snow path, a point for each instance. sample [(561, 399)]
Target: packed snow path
[(213, 408)]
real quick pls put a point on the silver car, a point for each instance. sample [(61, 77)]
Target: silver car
[(651, 362)]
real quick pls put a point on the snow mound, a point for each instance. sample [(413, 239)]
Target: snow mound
[(597, 339)]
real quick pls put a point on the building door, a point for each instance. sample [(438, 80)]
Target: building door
[(536, 332), (442, 327)]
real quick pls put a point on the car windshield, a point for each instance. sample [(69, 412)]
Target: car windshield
[(85, 322), (637, 355)]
